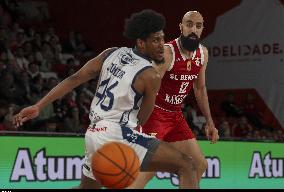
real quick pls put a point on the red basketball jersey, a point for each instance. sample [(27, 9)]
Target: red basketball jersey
[(178, 80)]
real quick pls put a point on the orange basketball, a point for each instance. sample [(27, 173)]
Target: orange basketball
[(115, 165)]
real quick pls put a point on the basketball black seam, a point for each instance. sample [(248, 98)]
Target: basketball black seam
[(135, 157), (125, 160), (111, 161), (138, 167), (133, 161), (130, 177), (109, 174), (118, 181), (127, 174)]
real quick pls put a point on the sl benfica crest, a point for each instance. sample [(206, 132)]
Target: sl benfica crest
[(189, 65)]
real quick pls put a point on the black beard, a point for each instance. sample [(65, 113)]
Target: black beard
[(189, 44)]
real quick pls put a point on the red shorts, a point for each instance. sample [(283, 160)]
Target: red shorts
[(168, 126)]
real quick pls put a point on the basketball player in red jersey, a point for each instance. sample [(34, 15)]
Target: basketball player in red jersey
[(186, 61)]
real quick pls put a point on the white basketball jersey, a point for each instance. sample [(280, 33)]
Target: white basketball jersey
[(116, 99)]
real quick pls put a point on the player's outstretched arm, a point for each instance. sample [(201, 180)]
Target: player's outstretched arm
[(89, 71)]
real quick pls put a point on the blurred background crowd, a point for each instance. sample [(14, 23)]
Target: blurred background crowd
[(34, 59)]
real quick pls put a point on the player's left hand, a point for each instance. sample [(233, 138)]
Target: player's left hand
[(211, 132)]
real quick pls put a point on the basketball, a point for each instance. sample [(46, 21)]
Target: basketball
[(115, 165)]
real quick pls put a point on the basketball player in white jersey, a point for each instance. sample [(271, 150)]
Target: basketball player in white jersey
[(125, 97)]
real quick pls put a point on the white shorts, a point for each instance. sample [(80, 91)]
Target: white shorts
[(106, 131)]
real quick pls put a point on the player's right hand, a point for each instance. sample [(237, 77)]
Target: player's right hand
[(211, 133), (26, 114)]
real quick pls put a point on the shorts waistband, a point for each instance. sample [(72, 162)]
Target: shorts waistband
[(166, 109)]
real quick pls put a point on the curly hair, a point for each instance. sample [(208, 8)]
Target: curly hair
[(140, 25)]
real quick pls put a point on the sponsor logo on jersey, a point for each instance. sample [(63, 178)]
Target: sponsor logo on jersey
[(127, 59), (97, 129), (197, 61), (175, 99), (183, 77)]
